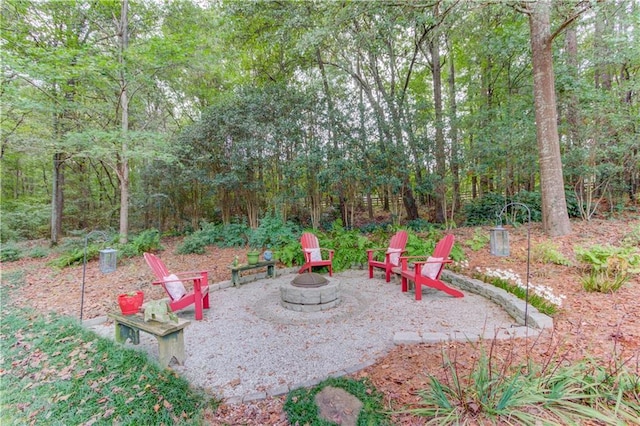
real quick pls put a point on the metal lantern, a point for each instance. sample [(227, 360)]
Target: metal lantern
[(108, 260), (499, 240)]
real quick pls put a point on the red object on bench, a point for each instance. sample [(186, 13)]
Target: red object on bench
[(417, 275), (392, 255), (198, 297), (313, 253)]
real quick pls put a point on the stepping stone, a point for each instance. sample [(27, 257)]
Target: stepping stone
[(338, 406)]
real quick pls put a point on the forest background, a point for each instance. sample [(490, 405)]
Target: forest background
[(137, 114)]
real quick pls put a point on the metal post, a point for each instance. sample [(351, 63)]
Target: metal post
[(84, 264), (526, 296)]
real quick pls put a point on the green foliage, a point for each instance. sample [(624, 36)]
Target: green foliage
[(547, 252), (29, 219), (418, 245), (301, 408), (38, 253), (10, 253), (419, 225), (632, 239), (209, 234), (290, 254), (272, 232), (75, 256), (529, 394), (483, 211), (606, 268), (479, 241), (146, 241), (373, 227), (52, 363), (350, 246)]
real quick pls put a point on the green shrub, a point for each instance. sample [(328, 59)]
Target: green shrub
[(606, 268), (146, 241), (483, 211), (26, 220), (10, 253), (301, 407), (38, 253), (547, 252), (349, 246), (419, 225)]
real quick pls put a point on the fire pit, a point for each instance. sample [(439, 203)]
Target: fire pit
[(310, 292)]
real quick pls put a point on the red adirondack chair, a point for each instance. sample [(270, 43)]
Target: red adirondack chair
[(313, 254), (391, 257), (173, 285), (428, 272)]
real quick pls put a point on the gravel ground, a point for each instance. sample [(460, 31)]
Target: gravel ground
[(249, 346)]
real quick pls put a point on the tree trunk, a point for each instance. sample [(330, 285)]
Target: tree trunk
[(57, 198), (440, 188), (555, 219), (124, 100), (453, 132)]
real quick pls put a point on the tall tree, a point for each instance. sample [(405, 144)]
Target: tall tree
[(555, 218)]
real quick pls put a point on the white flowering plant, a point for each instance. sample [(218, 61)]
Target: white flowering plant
[(540, 296)]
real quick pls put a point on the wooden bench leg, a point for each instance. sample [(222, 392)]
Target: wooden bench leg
[(235, 278), (124, 332), (171, 346)]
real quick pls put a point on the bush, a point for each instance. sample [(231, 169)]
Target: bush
[(607, 268), (10, 253), (25, 221), (483, 211)]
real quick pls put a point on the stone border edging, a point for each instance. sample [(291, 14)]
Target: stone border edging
[(514, 306)]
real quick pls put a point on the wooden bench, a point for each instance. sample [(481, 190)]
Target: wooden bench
[(170, 335), (235, 270)]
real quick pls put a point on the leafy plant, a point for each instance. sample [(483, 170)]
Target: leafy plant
[(607, 268), (479, 241), (301, 407), (146, 241), (528, 394), (547, 252), (350, 246)]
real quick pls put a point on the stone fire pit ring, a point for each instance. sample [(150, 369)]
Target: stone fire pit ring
[(310, 292)]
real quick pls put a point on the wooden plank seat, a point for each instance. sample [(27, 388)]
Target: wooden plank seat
[(235, 270), (427, 272), (170, 335)]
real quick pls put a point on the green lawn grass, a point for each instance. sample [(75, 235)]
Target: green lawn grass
[(54, 371)]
